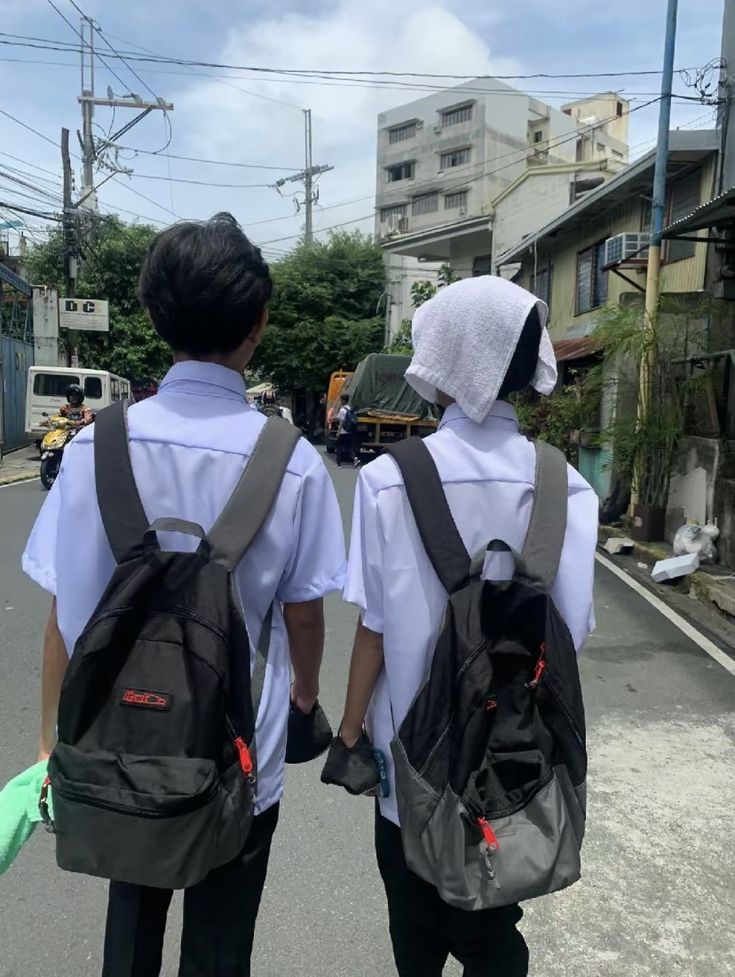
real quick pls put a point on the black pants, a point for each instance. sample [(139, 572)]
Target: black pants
[(219, 917), (345, 448), (425, 931)]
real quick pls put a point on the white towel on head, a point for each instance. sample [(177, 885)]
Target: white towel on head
[(464, 339)]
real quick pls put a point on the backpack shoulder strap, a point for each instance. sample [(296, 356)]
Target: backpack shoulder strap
[(548, 524), (435, 522), (123, 515), (252, 500)]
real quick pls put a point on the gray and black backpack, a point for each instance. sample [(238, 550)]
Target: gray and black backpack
[(491, 760), (154, 773)]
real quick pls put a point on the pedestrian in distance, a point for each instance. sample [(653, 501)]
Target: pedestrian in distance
[(471, 562), (347, 448), (205, 537)]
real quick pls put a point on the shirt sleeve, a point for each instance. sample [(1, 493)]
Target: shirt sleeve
[(39, 557), (573, 590), (364, 585), (317, 564)]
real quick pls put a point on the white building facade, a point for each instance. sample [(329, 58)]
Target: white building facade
[(443, 160)]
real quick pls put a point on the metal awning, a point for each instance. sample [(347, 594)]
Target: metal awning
[(719, 212), (575, 349)]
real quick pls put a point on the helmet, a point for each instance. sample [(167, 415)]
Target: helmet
[(75, 394)]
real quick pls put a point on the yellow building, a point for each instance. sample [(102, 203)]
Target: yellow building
[(564, 263)]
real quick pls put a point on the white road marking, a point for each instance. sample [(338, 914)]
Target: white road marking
[(22, 481), (676, 619)]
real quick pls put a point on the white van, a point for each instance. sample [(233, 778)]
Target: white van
[(46, 392)]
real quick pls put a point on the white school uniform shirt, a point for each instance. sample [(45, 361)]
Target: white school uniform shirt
[(488, 473), (188, 448)]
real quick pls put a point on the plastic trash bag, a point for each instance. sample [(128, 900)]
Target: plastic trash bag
[(699, 540)]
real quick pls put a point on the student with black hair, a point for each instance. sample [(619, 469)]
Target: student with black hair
[(206, 288), (475, 343)]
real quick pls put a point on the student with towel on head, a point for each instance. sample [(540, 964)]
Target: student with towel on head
[(475, 342)]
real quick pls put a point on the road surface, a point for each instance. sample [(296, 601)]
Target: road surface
[(658, 894)]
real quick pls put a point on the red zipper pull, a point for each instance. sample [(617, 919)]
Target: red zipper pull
[(491, 839), (246, 761), (540, 666)]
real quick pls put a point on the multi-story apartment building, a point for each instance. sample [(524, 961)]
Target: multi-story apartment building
[(443, 159)]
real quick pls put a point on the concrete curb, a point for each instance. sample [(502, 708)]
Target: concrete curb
[(705, 587), (8, 478)]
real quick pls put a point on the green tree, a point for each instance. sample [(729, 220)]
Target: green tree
[(111, 264), (323, 311)]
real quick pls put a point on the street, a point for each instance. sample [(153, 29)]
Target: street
[(657, 898)]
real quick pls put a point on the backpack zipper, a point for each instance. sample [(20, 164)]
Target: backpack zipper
[(180, 612), (564, 709), (468, 662), (183, 807)]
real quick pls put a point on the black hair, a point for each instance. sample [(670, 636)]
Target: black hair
[(204, 285), (345, 398), (523, 365)]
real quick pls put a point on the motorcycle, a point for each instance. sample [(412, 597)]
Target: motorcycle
[(52, 447)]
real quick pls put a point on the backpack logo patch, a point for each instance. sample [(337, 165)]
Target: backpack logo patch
[(146, 700)]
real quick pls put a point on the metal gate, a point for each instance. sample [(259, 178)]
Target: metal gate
[(16, 355)]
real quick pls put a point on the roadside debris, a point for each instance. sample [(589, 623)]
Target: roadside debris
[(677, 566)]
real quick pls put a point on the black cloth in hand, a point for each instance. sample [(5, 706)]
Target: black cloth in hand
[(353, 768)]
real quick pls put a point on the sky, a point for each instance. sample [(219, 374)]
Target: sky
[(246, 118)]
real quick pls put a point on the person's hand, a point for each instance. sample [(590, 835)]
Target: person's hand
[(349, 736)]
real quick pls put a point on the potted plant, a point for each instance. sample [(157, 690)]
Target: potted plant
[(645, 431)]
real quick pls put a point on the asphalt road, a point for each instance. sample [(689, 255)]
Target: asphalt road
[(658, 895)]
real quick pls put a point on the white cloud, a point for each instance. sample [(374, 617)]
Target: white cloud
[(223, 123)]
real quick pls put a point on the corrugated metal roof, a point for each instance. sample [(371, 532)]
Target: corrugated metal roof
[(684, 149), (575, 349), (715, 213)]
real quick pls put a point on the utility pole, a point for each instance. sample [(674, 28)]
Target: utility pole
[(88, 101), (70, 244), (726, 114), (659, 207), (306, 176)]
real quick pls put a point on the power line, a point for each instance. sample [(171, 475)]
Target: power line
[(333, 227), (210, 162), (203, 183), (83, 42)]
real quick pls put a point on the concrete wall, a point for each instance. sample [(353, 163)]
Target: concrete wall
[(692, 490), (540, 198), (401, 272)]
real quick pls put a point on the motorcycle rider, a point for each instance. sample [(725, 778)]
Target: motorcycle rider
[(75, 410)]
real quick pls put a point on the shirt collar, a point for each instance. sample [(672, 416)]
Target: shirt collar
[(500, 412), (204, 379)]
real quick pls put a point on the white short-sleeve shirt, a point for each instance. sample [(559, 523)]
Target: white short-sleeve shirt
[(488, 474), (188, 448)]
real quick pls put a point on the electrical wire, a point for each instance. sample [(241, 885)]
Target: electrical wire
[(99, 57)]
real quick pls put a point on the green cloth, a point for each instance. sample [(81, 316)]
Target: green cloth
[(378, 384), (19, 812)]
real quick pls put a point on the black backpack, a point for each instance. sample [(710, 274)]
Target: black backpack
[(349, 424), (491, 760), (154, 772)]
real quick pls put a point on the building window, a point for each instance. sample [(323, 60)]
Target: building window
[(402, 171), (453, 117), (600, 148), (452, 201), (538, 136), (619, 110), (457, 157), (393, 213), (427, 203), (591, 278), (541, 284), (481, 265), (401, 133), (684, 197), (617, 154)]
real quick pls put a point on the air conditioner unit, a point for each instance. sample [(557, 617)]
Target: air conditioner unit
[(438, 129), (627, 247), (419, 124)]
